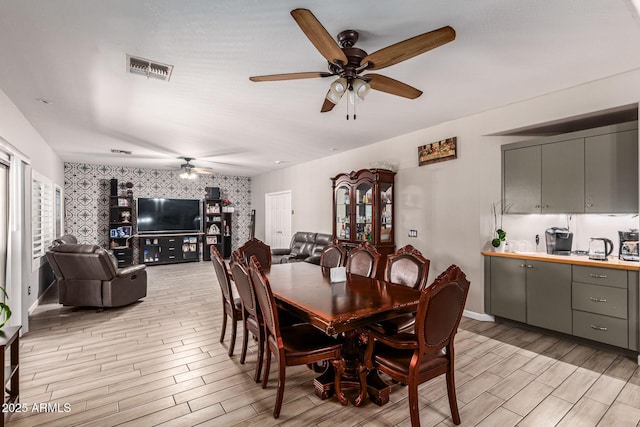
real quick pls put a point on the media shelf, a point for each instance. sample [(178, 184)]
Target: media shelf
[(121, 228), (169, 248), (217, 229)]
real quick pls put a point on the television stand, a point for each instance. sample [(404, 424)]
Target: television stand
[(169, 248)]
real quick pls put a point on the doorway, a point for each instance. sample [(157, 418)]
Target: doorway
[(278, 219), (4, 220)]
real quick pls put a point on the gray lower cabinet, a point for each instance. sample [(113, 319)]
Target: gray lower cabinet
[(549, 296), (508, 296), (533, 292), (605, 305)]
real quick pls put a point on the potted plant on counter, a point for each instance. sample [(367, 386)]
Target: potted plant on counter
[(500, 236)]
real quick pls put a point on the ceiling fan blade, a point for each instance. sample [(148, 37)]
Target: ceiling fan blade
[(409, 48), (289, 76), (392, 86), (328, 105), (319, 36), (204, 171)]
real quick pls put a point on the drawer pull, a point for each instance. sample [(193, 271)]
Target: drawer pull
[(598, 276), (522, 265), (597, 299), (529, 266), (598, 328)]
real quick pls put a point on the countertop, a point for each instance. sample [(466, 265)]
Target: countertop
[(612, 262)]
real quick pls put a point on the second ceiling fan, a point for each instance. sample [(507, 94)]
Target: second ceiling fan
[(348, 62)]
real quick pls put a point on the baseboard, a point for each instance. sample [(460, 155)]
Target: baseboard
[(483, 317), (40, 298)]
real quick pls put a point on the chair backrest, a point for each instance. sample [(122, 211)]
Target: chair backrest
[(222, 274), (237, 257), (265, 298), (440, 309), (242, 279), (407, 267), (333, 255), (258, 248), (363, 260), (81, 262)]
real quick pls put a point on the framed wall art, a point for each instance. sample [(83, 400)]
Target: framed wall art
[(439, 151)]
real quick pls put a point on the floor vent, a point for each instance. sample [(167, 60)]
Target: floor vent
[(147, 68)]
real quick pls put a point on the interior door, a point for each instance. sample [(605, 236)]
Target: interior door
[(4, 219), (278, 219)]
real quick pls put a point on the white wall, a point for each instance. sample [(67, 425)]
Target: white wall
[(448, 203), (17, 131)]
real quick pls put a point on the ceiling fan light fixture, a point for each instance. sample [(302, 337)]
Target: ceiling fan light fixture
[(338, 86), (334, 97), (360, 87)]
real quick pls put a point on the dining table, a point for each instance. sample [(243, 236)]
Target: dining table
[(342, 309)]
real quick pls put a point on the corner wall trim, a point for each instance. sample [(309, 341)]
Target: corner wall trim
[(479, 316)]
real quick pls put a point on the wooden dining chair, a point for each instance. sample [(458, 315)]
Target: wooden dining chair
[(414, 358), (363, 260), (405, 267), (232, 307), (299, 344), (261, 250), (252, 320), (333, 255)]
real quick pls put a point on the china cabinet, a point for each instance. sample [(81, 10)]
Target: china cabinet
[(363, 208)]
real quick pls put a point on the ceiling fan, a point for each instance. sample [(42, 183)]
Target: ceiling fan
[(348, 62), (190, 171)]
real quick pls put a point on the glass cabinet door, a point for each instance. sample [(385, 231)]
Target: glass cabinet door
[(343, 228), (386, 212), (364, 214)]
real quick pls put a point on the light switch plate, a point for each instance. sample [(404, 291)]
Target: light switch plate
[(413, 233)]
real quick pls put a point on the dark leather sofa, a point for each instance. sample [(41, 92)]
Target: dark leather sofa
[(305, 246), (88, 275)]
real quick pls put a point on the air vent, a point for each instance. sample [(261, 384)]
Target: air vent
[(147, 68)]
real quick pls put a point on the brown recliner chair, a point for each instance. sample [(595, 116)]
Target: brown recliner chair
[(89, 276)]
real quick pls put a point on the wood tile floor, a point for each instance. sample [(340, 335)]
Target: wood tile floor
[(159, 362)]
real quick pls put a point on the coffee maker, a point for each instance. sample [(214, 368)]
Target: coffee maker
[(558, 240), (628, 245)]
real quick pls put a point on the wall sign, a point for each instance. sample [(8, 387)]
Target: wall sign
[(439, 151)]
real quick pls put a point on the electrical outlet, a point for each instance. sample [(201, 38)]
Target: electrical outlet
[(413, 233), (29, 290)]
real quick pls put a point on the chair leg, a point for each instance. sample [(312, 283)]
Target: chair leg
[(451, 392), (256, 377), (267, 365), (281, 380), (234, 327), (245, 342), (413, 404), (224, 326)]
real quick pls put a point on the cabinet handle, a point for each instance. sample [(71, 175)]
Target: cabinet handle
[(598, 276), (522, 265), (597, 299), (598, 328), (537, 206), (546, 206), (589, 205), (529, 266)]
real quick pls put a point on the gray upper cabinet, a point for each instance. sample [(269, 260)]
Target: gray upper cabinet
[(563, 176), (522, 180), (590, 171), (611, 184)]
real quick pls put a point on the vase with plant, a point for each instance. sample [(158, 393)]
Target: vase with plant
[(227, 205), (5, 311), (500, 236)]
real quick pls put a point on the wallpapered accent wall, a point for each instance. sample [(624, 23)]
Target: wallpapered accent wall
[(87, 190)]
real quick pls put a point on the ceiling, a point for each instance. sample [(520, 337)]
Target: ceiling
[(72, 54)]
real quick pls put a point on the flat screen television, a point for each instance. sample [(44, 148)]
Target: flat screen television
[(157, 215)]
